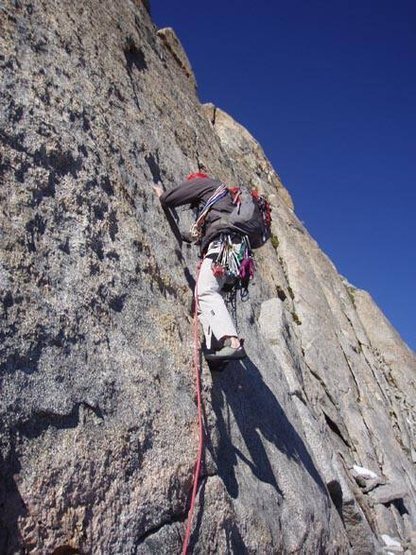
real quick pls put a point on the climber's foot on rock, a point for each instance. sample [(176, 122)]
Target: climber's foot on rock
[(232, 349)]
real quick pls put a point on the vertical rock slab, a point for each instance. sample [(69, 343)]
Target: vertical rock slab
[(98, 427), (91, 355)]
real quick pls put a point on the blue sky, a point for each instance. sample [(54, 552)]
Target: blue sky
[(329, 90)]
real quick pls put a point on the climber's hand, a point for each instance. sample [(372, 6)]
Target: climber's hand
[(158, 190)]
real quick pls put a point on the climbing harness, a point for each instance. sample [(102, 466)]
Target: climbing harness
[(197, 368)]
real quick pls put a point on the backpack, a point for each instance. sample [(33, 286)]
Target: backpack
[(251, 216)]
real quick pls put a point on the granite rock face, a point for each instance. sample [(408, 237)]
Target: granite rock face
[(310, 442)]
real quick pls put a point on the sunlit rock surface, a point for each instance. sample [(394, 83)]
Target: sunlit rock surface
[(310, 442)]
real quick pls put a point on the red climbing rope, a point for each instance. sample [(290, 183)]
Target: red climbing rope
[(197, 368)]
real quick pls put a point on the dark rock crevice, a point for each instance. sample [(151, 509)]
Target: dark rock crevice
[(39, 422), (173, 519), (135, 58), (333, 426)]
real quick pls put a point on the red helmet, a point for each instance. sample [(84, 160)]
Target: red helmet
[(196, 175)]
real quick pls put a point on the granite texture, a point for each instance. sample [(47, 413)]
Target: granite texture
[(98, 430)]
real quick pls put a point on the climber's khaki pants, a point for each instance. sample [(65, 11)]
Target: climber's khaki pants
[(213, 313)]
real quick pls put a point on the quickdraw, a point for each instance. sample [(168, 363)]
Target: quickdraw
[(235, 262)]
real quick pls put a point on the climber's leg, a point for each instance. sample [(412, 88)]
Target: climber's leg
[(214, 316), (213, 313)]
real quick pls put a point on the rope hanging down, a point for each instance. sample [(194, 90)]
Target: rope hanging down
[(197, 368)]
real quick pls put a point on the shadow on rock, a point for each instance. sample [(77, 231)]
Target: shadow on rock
[(12, 506), (257, 413), (233, 541)]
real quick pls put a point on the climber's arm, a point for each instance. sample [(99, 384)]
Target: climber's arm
[(186, 193)]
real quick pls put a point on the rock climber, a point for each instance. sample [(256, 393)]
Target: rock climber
[(221, 337)]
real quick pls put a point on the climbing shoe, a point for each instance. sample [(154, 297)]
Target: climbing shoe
[(226, 353)]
